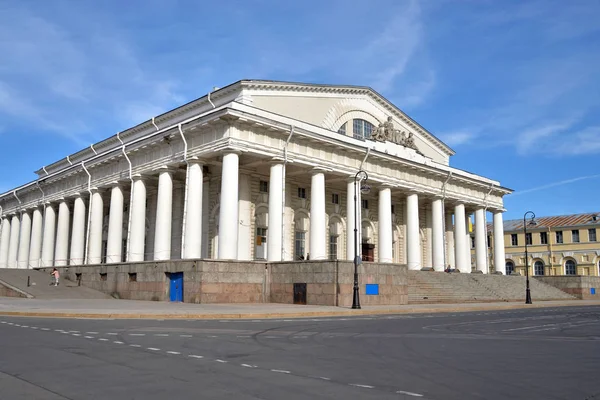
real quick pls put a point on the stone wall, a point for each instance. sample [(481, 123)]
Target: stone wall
[(578, 286), (331, 282)]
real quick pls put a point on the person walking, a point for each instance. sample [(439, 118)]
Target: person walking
[(56, 275)]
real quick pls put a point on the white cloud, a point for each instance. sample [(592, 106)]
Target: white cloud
[(453, 139), (555, 184)]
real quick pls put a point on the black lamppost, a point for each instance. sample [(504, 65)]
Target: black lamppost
[(360, 176), (531, 222)]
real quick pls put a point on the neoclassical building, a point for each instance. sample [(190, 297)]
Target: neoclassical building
[(258, 170)]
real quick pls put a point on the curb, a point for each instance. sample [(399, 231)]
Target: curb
[(277, 315)]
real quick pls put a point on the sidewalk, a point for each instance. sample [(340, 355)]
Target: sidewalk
[(132, 309)]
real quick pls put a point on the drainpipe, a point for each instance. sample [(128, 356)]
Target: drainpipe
[(17, 197), (130, 191), (446, 260), (37, 182), (358, 218), (210, 101), (93, 149), (487, 247), (153, 123), (185, 194), (89, 220), (285, 160), (44, 168), (550, 250), (69, 160)]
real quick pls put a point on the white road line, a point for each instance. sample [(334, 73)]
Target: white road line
[(185, 335), (17, 325), (135, 345), (76, 334), (242, 336), (247, 365), (103, 339), (324, 378), (256, 320), (362, 386), (34, 327), (161, 334), (92, 333), (58, 330), (117, 342), (45, 329), (281, 371), (288, 320), (221, 361), (153, 348), (112, 333), (24, 326), (173, 352), (272, 337), (409, 393), (137, 334), (528, 327), (89, 337), (212, 336), (195, 356)]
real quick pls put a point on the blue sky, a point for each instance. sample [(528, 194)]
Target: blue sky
[(512, 86)]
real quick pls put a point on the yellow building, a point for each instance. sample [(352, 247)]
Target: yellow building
[(557, 245)]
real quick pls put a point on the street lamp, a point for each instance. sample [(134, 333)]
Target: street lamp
[(360, 176), (532, 223)]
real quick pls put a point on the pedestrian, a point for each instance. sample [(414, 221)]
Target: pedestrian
[(56, 275)]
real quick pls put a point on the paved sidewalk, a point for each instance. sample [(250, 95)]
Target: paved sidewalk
[(130, 309)]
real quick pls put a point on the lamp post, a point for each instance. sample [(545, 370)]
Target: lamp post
[(360, 176), (532, 222)]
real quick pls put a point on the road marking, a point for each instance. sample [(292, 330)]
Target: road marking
[(528, 327), (221, 361), (324, 378), (185, 335), (281, 371), (272, 337), (92, 333), (409, 393), (137, 334), (161, 334), (58, 330), (117, 342), (153, 348), (135, 345), (45, 329), (76, 334), (89, 337), (24, 326), (195, 356), (173, 352), (17, 325), (362, 386), (34, 327), (242, 336), (112, 333), (288, 320), (247, 365), (74, 331), (212, 336), (256, 320), (103, 340)]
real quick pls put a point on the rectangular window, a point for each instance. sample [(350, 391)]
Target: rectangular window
[(528, 238), (261, 244), (264, 187), (364, 203), (514, 240), (333, 247), (335, 198), (489, 241), (132, 276), (544, 237), (575, 235), (103, 276), (592, 234), (302, 193), (472, 242), (559, 237), (393, 209), (299, 248)]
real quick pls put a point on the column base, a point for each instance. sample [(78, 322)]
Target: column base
[(477, 272), (498, 273), (427, 269)]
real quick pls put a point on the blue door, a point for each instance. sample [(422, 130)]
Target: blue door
[(176, 286)]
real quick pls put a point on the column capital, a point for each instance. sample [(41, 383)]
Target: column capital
[(384, 186), (195, 160), (319, 170), (277, 160), (164, 168)]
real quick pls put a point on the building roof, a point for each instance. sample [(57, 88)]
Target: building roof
[(557, 221)]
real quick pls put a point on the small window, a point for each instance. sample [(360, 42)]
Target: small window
[(302, 193), (538, 268), (365, 204), (393, 209), (570, 268), (335, 198), (528, 238), (510, 267), (103, 276), (575, 235), (489, 241), (514, 239), (472, 242), (132, 276), (264, 187), (300, 245), (333, 247), (544, 237), (342, 130), (592, 234), (559, 237)]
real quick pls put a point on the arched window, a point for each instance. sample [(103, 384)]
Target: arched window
[(361, 129), (342, 130), (538, 268), (335, 231), (510, 267), (570, 267)]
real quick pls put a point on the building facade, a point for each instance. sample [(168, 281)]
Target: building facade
[(258, 170), (557, 245)]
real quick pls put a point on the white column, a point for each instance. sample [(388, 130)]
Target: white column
[(459, 239), (350, 210), (449, 241), (78, 232), (437, 235), (318, 226), (114, 245), (480, 239), (193, 211), (62, 235), (13, 248), (385, 237), (96, 220), (137, 230), (499, 256), (205, 218), (245, 233), (428, 238), (467, 247), (4, 242), (164, 216), (228, 209), (49, 236), (35, 248), (274, 231), (413, 239), (24, 240)]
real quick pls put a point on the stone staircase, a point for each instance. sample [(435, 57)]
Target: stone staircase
[(440, 287)]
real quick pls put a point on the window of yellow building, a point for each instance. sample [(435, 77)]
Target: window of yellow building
[(559, 237), (575, 235), (592, 234), (544, 237)]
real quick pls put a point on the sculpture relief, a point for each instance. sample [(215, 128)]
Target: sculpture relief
[(386, 132)]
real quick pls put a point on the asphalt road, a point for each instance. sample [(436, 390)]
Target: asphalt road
[(521, 354)]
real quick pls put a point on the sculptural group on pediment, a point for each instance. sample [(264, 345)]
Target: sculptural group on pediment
[(386, 132)]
